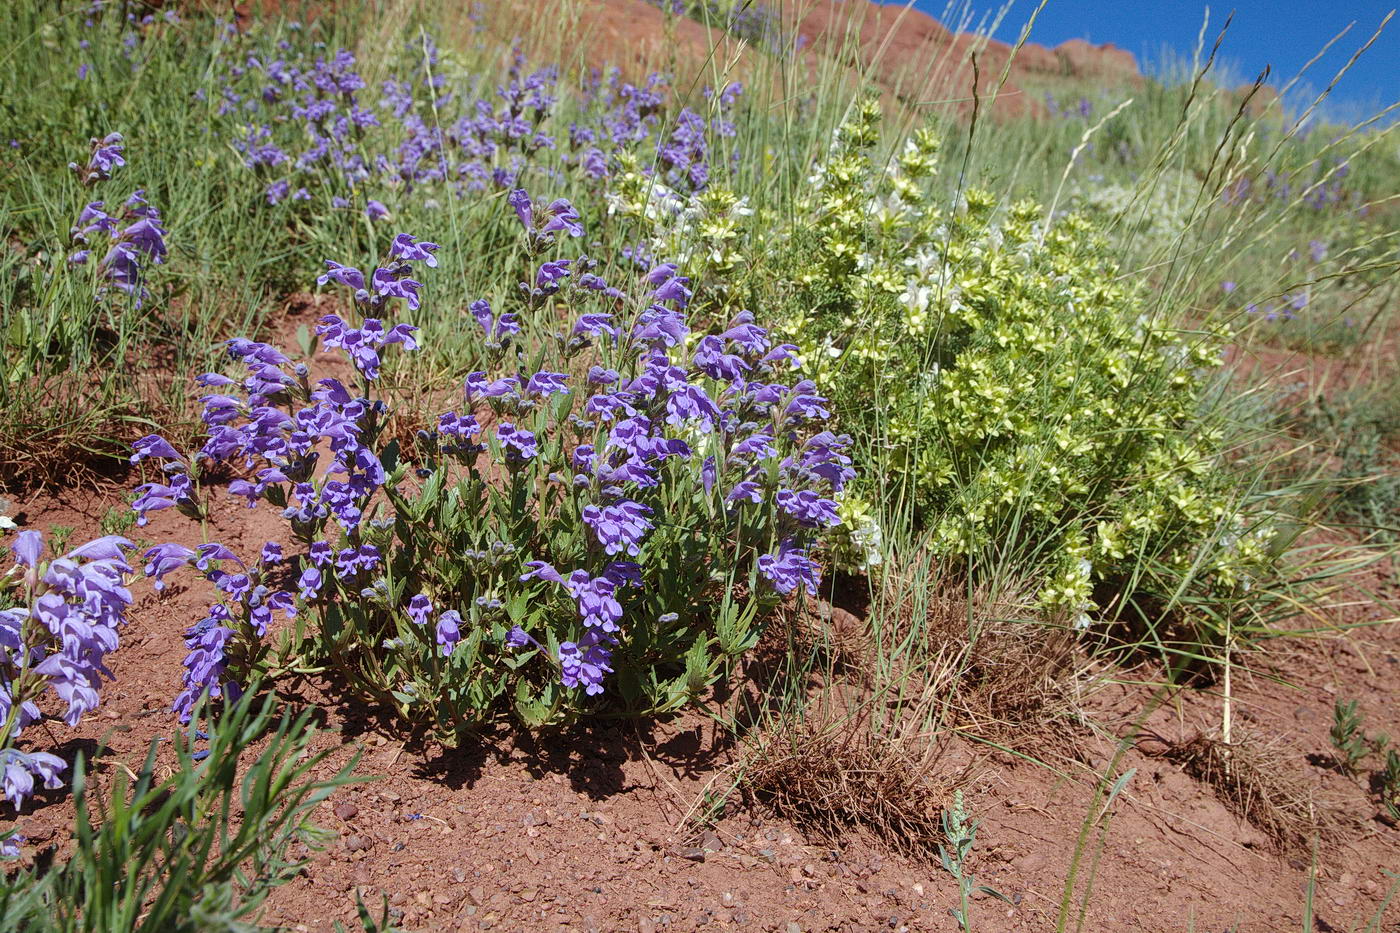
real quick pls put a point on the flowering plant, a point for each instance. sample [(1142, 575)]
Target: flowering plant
[(59, 619), (134, 235), (604, 519), (1016, 379)]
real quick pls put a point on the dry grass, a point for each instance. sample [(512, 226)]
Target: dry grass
[(1254, 779), (832, 773), (878, 740)]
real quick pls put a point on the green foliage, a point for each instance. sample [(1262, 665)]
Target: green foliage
[(199, 850), (1388, 784), (1360, 431), (1033, 409), (961, 833), (1348, 737)]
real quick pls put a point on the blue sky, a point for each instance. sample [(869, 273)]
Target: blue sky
[(1281, 33)]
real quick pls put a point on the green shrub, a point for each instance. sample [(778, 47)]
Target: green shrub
[(1006, 371)]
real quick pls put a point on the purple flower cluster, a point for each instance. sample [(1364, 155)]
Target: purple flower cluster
[(717, 415), (308, 131), (278, 428), (248, 601), (133, 235), (1318, 185), (1080, 110), (57, 640), (702, 435)]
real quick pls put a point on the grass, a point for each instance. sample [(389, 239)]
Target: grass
[(1221, 209)]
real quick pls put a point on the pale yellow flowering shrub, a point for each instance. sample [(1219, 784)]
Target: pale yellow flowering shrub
[(1008, 374)]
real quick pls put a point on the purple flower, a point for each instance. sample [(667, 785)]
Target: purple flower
[(748, 337), (541, 570), (496, 328), (166, 558), (747, 491), (519, 199), (597, 606), (551, 273), (21, 768), (476, 386), (153, 445), (517, 444), (547, 383), (449, 631), (658, 325), (711, 359), (810, 509), (692, 403), (376, 211), (790, 568), (804, 403), (151, 497), (106, 155), (419, 609), (271, 553), (75, 684), (562, 217), (406, 249), (206, 663), (205, 554), (309, 583), (345, 275), (517, 637), (598, 376), (619, 527), (584, 663), (28, 548)]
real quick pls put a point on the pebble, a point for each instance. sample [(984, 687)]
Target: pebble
[(346, 810)]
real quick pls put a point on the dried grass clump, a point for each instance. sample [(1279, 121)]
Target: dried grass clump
[(1005, 664), (1254, 780), (831, 774)]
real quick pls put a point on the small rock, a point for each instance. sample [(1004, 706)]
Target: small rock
[(529, 895), (478, 895), (1028, 862), (793, 927), (346, 810), (693, 853), (711, 842), (356, 843), (768, 855)]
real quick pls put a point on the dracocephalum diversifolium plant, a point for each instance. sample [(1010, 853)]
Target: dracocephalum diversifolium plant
[(619, 506)]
